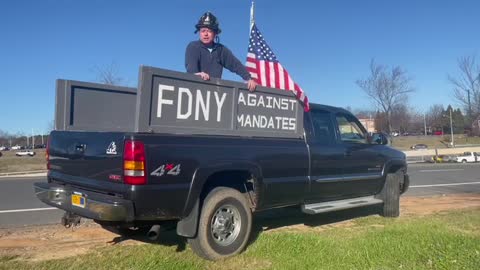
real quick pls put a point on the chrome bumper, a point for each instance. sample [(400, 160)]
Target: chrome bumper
[(98, 206)]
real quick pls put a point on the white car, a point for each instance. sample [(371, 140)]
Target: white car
[(16, 147), (468, 157), (25, 153)]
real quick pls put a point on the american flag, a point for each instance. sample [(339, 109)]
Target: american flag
[(267, 71)]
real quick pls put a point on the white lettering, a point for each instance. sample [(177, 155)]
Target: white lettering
[(181, 92), (270, 123), (240, 119), (260, 102), (269, 102), (248, 121), (241, 99), (220, 105), (200, 102), (161, 100), (276, 103), (284, 104), (251, 99), (293, 123), (293, 101)]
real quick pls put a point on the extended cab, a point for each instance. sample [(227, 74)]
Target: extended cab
[(206, 155)]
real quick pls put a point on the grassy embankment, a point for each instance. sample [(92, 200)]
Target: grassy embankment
[(450, 240), (11, 163), (404, 142)]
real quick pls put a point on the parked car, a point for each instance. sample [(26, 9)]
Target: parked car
[(468, 157), (25, 153), (16, 147), (419, 146)]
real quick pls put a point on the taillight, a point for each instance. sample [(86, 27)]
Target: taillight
[(134, 163), (47, 153)]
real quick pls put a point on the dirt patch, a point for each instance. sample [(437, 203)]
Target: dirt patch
[(54, 242), (420, 206)]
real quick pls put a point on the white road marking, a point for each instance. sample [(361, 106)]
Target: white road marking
[(446, 185), (27, 210), (444, 170)]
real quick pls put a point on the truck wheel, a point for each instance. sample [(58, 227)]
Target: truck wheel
[(464, 161), (391, 195), (224, 225)]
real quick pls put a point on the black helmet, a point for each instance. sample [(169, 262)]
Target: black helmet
[(208, 20)]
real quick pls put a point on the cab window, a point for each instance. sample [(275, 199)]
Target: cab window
[(350, 130), (323, 127)]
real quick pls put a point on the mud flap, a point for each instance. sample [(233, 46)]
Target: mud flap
[(187, 226)]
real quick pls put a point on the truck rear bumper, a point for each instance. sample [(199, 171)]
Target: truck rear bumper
[(96, 205)]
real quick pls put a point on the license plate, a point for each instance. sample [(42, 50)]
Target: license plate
[(78, 200)]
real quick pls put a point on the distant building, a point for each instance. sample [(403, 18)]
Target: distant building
[(368, 123)]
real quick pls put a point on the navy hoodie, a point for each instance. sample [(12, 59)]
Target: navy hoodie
[(199, 59)]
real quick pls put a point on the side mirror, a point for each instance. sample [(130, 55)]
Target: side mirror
[(379, 138)]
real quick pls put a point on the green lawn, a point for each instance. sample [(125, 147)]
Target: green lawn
[(404, 142), (450, 240), (11, 163)]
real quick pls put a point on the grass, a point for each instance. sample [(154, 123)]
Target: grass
[(404, 142), (449, 240), (11, 163)]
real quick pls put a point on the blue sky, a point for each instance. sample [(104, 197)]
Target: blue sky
[(325, 45)]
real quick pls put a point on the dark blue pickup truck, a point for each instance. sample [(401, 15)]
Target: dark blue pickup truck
[(206, 155)]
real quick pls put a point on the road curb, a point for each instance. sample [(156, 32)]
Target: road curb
[(23, 174)]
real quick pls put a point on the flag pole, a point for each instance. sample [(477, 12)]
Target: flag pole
[(252, 17)]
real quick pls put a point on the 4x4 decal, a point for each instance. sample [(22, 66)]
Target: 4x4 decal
[(169, 169)]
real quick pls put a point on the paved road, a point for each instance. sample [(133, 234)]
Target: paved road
[(20, 207)]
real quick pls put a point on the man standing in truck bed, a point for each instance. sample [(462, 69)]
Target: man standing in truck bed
[(207, 58)]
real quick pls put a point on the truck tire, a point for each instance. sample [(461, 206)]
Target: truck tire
[(391, 195), (224, 225)]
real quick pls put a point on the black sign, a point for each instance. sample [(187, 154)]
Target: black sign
[(174, 102)]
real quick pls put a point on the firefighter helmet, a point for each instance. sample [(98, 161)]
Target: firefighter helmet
[(208, 20)]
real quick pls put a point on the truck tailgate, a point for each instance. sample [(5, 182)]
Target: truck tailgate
[(91, 155)]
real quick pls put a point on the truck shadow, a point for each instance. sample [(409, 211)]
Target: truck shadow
[(284, 217), (262, 222)]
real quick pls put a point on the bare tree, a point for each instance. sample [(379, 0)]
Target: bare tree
[(435, 117), (108, 74), (466, 87), (387, 88)]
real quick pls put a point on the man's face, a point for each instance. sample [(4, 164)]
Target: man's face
[(206, 35)]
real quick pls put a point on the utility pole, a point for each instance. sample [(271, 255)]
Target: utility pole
[(425, 123), (33, 140), (451, 126)]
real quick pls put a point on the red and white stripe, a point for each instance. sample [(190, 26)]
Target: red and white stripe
[(273, 75)]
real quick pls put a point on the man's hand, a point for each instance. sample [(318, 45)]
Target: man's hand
[(204, 75), (251, 85)]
